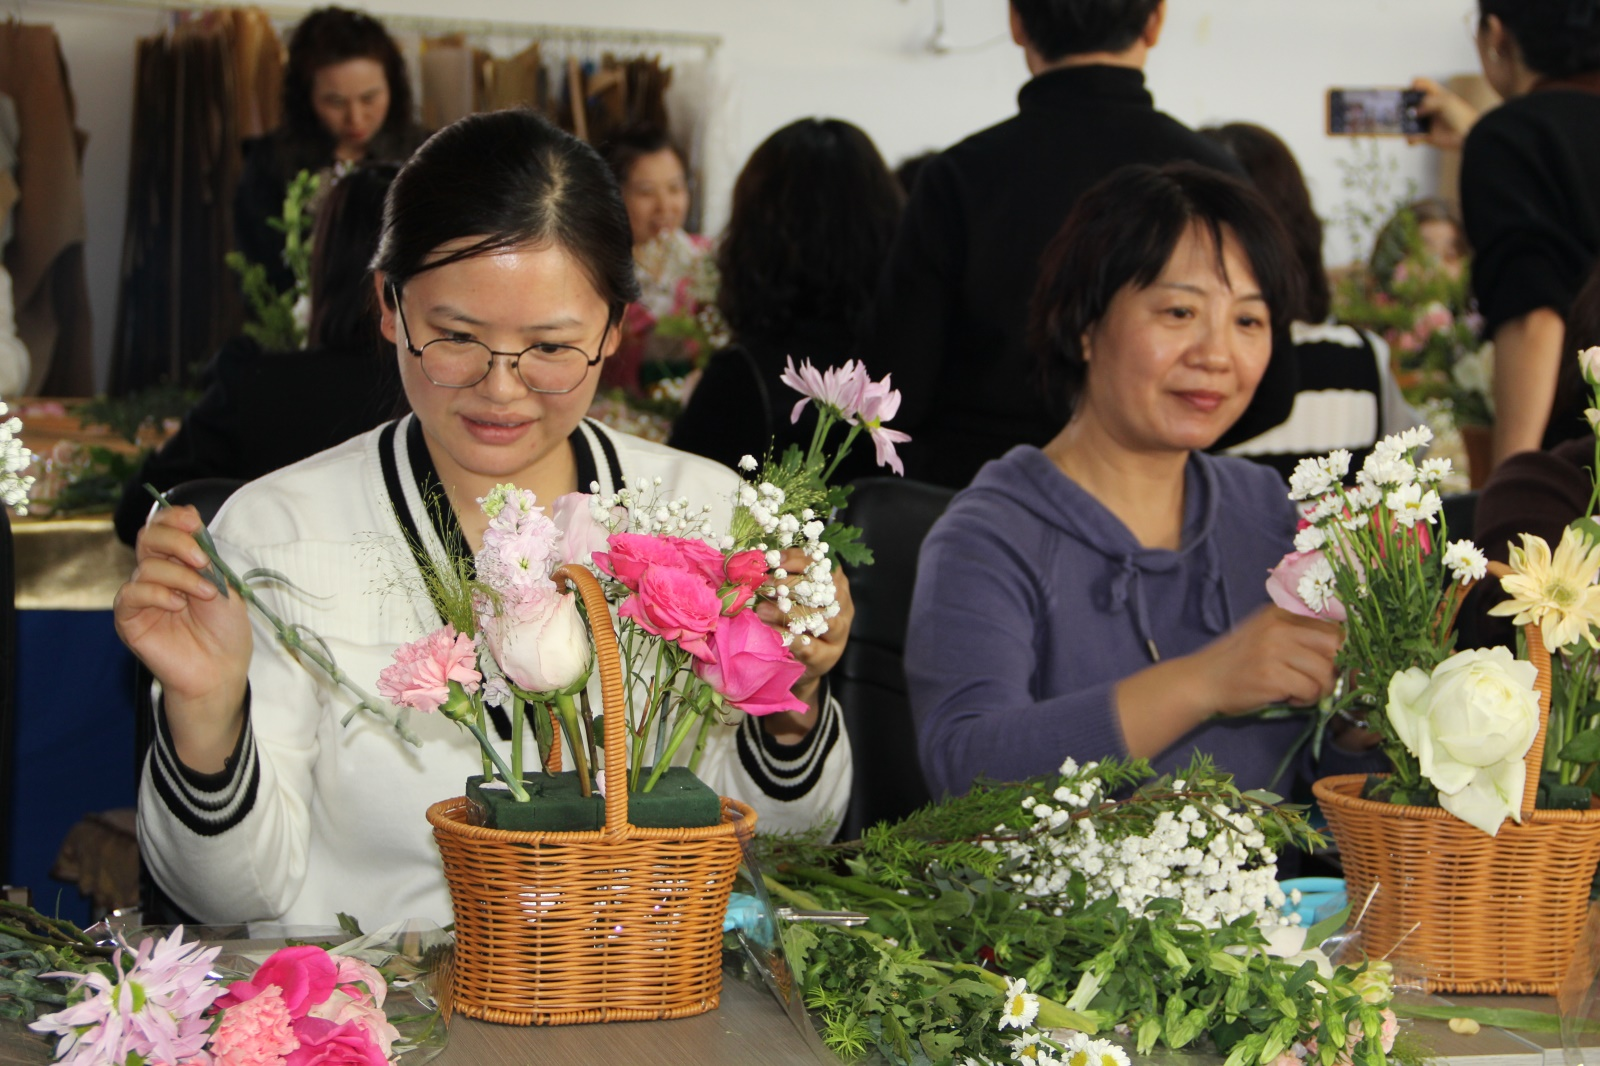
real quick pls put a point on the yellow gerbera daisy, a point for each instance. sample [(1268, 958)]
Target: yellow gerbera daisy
[(1557, 594)]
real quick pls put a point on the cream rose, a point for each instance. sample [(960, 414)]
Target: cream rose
[(1470, 724)]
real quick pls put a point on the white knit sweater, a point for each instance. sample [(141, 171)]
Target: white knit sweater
[(313, 819)]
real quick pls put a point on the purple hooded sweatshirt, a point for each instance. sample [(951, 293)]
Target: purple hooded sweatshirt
[(1033, 601)]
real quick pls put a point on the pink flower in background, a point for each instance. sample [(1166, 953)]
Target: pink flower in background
[(838, 387), (256, 1030), (323, 1043), (1437, 317), (879, 403), (675, 605), (581, 535), (751, 667), (631, 553), (421, 674), (1302, 584)]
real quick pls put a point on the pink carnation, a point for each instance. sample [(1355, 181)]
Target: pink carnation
[(423, 670), (256, 1029)]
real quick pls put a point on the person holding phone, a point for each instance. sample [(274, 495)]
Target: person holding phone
[(1530, 197)]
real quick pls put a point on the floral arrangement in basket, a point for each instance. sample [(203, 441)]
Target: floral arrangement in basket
[(1375, 556), (170, 1001), (15, 458), (1074, 918)]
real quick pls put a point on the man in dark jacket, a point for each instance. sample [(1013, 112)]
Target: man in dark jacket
[(952, 313)]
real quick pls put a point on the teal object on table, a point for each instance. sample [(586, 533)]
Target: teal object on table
[(744, 912), (1320, 898)]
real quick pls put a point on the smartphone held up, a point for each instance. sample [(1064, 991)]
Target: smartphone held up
[(1375, 113)]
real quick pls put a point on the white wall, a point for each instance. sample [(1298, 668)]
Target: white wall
[(869, 61)]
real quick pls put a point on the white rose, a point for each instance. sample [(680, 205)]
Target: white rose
[(1470, 725), (544, 648)]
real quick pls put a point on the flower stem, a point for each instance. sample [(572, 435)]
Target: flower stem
[(518, 793), (700, 743), (680, 731), (518, 709), (567, 711)]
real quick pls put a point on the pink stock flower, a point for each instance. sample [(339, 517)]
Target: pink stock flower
[(423, 670), (631, 554), (166, 1025), (520, 556), (581, 535), (1298, 574), (324, 1043), (838, 387), (675, 605), (541, 645), (879, 403), (256, 1029), (750, 666)]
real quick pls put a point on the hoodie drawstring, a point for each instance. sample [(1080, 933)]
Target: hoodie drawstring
[(1127, 594)]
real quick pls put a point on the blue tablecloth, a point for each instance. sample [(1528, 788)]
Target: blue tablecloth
[(74, 742)]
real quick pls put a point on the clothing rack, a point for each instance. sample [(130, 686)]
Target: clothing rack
[(433, 25)]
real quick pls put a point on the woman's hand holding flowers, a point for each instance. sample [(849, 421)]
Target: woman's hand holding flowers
[(195, 641), (818, 655)]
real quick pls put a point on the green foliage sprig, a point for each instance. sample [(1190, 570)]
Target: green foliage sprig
[(276, 327)]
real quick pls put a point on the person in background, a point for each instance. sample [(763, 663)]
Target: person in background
[(1105, 595), (654, 177), (952, 308), (346, 99), (1347, 395), (1530, 196), (263, 410), (1440, 230), (499, 290), (814, 212)]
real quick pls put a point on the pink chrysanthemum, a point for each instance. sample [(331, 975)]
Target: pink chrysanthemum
[(838, 387), (879, 403), (153, 1009), (423, 670)]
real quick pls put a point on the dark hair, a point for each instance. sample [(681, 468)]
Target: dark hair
[(1573, 393), (343, 318), (814, 212), (632, 143), (1272, 169), (506, 179), (1058, 28), (325, 37), (1394, 240), (1123, 231), (906, 173), (1557, 38)]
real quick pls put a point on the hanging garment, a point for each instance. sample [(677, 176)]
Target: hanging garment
[(178, 300), (448, 81), (14, 359), (45, 256), (257, 72), (517, 81)]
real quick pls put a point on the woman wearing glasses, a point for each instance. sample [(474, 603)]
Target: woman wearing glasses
[(503, 269)]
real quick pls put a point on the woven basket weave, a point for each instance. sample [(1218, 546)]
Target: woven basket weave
[(619, 924), (1475, 913)]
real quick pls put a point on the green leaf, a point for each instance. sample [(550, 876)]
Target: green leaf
[(1306, 972), (1261, 795), (1148, 1033), (1588, 528), (1583, 748), (1330, 925), (349, 924)]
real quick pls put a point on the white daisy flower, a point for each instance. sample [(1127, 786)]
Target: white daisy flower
[(1309, 539), (1464, 561), (1022, 1006)]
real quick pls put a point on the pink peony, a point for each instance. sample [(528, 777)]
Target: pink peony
[(675, 605), (324, 1043), (750, 666), (581, 535), (256, 1029), (423, 670), (541, 646), (1283, 585), (304, 975), (630, 553)]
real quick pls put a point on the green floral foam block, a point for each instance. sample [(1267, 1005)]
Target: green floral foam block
[(680, 800)]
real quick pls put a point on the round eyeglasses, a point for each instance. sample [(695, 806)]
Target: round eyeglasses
[(461, 362)]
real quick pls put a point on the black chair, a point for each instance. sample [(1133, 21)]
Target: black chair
[(870, 680), (8, 691), (206, 495), (1460, 511)]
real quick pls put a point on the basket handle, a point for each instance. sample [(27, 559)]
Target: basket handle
[(613, 697), (1540, 658)]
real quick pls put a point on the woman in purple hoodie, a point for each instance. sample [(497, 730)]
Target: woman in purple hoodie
[(1105, 595)]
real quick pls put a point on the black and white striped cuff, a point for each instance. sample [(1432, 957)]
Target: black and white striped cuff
[(789, 771), (207, 804)]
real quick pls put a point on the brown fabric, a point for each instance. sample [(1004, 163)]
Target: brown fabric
[(45, 257), (517, 81), (448, 81), (258, 72), (101, 856)]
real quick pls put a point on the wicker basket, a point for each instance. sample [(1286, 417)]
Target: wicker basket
[(619, 924), (1475, 913)]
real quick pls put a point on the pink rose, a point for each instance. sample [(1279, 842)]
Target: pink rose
[(360, 1011), (746, 571), (675, 605), (422, 671), (631, 553), (323, 1043), (304, 976), (355, 978), (1284, 586), (543, 647), (581, 535), (750, 667), (256, 1029), (700, 558)]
